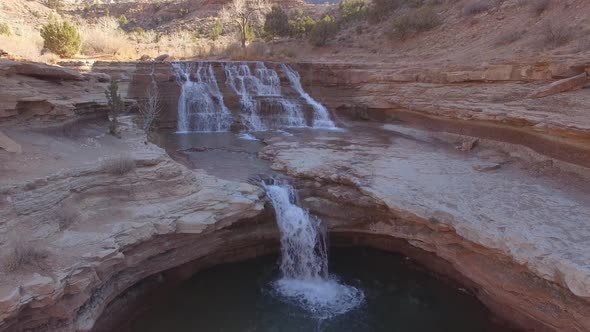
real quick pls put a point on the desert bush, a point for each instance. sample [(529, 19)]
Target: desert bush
[(381, 9), (288, 53), (414, 22), (61, 38), (118, 166), (5, 29), (116, 105), (252, 52), (24, 42), (509, 37), (324, 30), (351, 10), (475, 7), (216, 31), (54, 4), (301, 26), (277, 22), (21, 254), (555, 35), (539, 6), (122, 21), (104, 37)]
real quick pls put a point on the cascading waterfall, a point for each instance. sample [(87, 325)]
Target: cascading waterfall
[(200, 107), (304, 261), (321, 116)]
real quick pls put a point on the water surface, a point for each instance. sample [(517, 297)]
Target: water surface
[(399, 296)]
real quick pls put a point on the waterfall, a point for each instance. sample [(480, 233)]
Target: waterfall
[(304, 277), (262, 104), (321, 116), (200, 107)]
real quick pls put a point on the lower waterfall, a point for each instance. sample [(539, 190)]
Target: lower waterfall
[(305, 280)]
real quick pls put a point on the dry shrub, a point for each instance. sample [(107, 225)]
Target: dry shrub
[(21, 254), (24, 42), (104, 37), (414, 22), (555, 35), (252, 52), (118, 166), (539, 6), (475, 7)]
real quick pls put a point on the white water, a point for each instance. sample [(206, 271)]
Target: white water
[(304, 261), (321, 116), (200, 107)]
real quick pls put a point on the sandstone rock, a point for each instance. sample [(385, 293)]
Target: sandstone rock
[(8, 144), (569, 84), (145, 57), (100, 77), (45, 72), (162, 58)]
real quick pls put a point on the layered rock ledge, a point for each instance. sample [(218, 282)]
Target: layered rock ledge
[(516, 229), (95, 231)]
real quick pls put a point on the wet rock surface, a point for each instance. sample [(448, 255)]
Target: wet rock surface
[(520, 236)]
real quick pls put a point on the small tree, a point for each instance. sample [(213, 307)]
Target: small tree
[(216, 31), (244, 15), (301, 26), (122, 21), (277, 22), (61, 38), (324, 30), (115, 107), (353, 9), (150, 109)]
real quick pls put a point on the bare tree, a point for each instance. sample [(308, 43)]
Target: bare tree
[(245, 14), (150, 109)]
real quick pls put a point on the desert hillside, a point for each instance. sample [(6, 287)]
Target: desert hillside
[(451, 31)]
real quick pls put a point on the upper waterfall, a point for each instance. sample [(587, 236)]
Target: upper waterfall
[(247, 96), (200, 106)]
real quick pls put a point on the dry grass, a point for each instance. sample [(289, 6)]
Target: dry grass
[(21, 254), (105, 37), (26, 43), (252, 52), (118, 166)]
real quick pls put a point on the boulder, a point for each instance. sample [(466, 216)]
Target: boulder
[(9, 145), (162, 58), (145, 57), (568, 84)]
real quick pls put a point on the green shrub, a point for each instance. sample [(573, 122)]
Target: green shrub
[(5, 29), (414, 22), (353, 9), (122, 21), (61, 38), (277, 22), (138, 31), (301, 26), (323, 31), (216, 31)]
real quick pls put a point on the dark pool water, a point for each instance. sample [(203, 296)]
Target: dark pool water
[(399, 296)]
